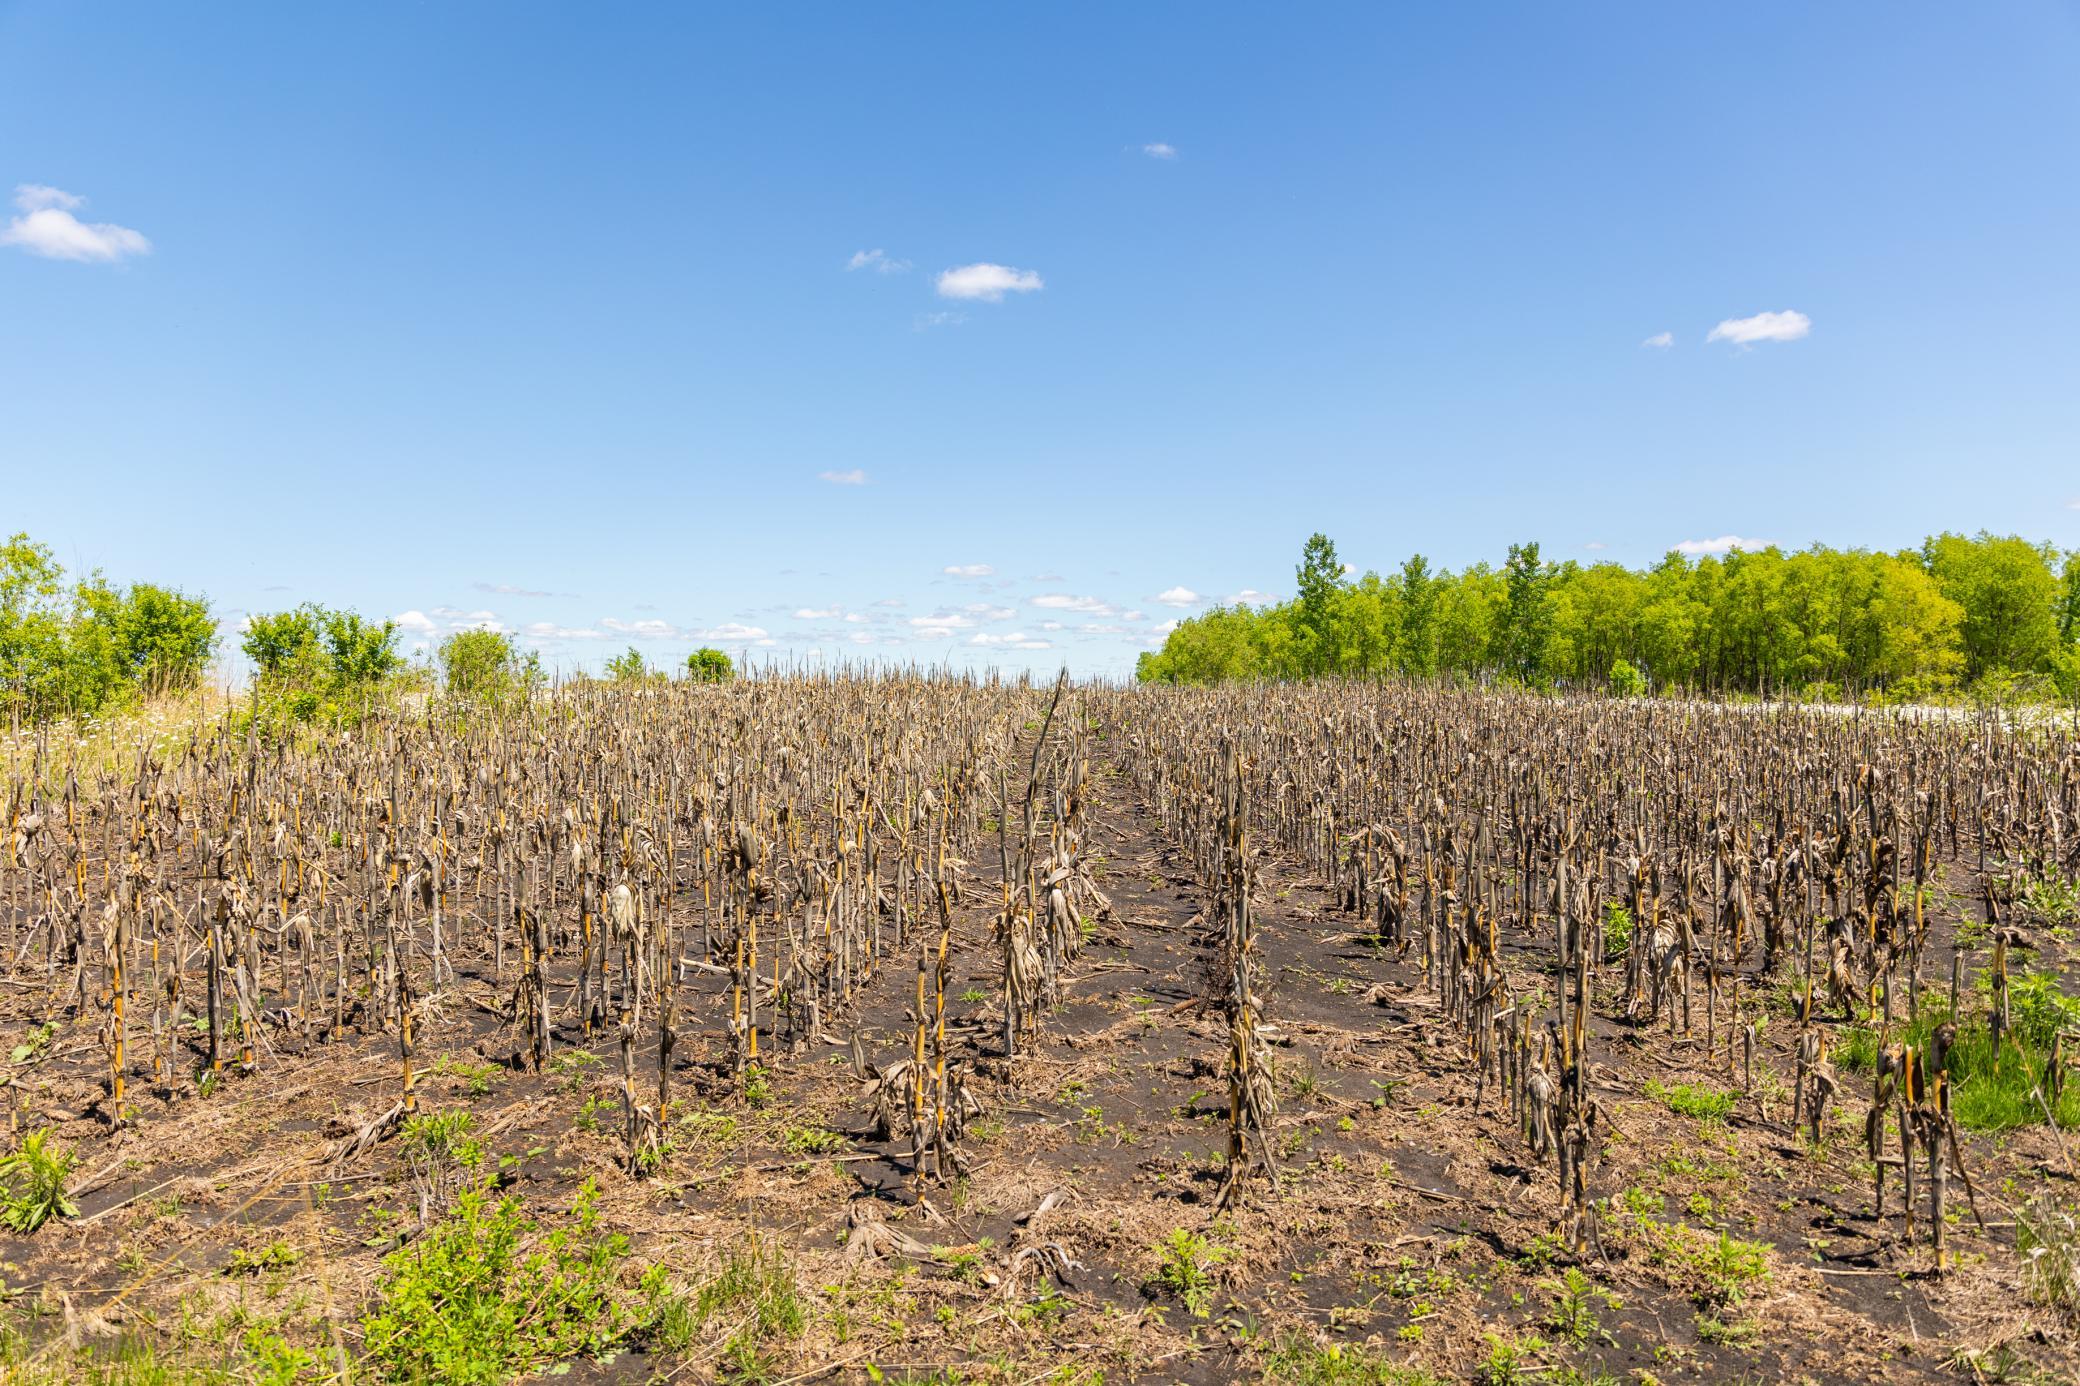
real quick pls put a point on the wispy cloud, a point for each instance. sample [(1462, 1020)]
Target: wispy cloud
[(1068, 601), (507, 589), (1178, 596), (877, 260), (641, 630), (1160, 150), (1014, 640), (969, 570), (1787, 326), (550, 631), (1594, 546), (1250, 596), (852, 476), (45, 225), (987, 282), (735, 632), (1725, 543), (1661, 341)]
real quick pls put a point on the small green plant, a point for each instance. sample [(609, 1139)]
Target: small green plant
[(32, 1183), (1184, 1268), (35, 1043), (1573, 1315), (1510, 1361), (276, 1255), (1617, 931)]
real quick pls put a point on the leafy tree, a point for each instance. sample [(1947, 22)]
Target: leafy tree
[(2009, 596), (1528, 617), (628, 667), (709, 665), (1319, 578), (161, 639)]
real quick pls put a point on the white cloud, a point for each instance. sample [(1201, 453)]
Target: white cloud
[(1178, 596), (731, 630), (855, 476), (1065, 601), (1787, 326), (35, 197), (988, 612), (1051, 625), (987, 282), (1661, 340), (1015, 640), (1250, 596), (45, 226), (418, 622), (891, 601), (876, 260), (810, 613), (507, 589), (941, 621), (963, 570), (1159, 150), (1595, 546), (924, 322), (641, 630), (2073, 504), (549, 630), (1725, 543)]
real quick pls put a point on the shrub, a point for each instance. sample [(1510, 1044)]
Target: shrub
[(486, 664), (1626, 681), (628, 667)]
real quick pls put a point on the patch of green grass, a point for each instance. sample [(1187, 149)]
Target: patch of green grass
[(1296, 1360), (1991, 1089), (483, 1296), (1693, 1099)]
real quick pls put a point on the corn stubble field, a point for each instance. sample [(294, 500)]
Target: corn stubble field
[(936, 1029)]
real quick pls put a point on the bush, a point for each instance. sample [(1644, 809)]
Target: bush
[(486, 664), (628, 667), (1626, 681)]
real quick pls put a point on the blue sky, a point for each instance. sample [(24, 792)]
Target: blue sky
[(560, 316)]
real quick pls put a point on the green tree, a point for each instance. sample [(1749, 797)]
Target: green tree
[(1527, 614), (709, 665), (1319, 577), (628, 666), (2009, 596)]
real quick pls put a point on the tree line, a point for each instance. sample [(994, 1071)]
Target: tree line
[(1988, 615), (83, 647)]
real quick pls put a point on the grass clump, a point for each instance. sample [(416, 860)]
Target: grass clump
[(483, 1296), (32, 1183), (2048, 1238), (1992, 1087)]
